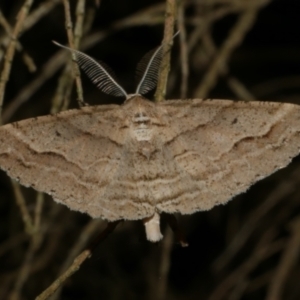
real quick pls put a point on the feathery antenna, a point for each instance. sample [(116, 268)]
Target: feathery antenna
[(147, 69), (100, 74), (103, 77)]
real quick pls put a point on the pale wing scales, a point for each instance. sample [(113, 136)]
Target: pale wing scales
[(200, 154), (226, 146), (72, 156)]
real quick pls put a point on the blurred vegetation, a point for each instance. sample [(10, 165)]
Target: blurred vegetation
[(234, 49)]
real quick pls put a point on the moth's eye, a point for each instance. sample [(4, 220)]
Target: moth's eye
[(139, 115), (141, 118)]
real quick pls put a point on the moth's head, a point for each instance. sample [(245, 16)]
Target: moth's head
[(135, 98)]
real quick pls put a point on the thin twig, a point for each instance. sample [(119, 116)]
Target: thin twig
[(171, 12), (150, 16), (78, 261), (237, 87), (48, 70), (20, 200), (249, 265), (69, 29), (81, 242), (288, 261), (58, 59), (26, 57), (13, 242), (33, 247), (280, 192), (30, 265), (165, 263), (79, 24), (202, 25), (243, 25), (31, 19), (42, 10), (274, 86), (61, 98), (183, 51), (11, 50)]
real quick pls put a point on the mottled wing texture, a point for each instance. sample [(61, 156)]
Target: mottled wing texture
[(130, 161), (75, 156), (225, 146)]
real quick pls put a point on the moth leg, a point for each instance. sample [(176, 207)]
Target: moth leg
[(152, 227), (173, 223)]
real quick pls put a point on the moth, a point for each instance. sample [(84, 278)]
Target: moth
[(139, 159)]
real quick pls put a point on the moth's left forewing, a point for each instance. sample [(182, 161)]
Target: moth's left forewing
[(72, 155)]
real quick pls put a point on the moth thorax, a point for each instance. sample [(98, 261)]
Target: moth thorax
[(141, 118), (142, 127)]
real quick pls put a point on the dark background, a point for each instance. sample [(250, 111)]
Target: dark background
[(235, 251)]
